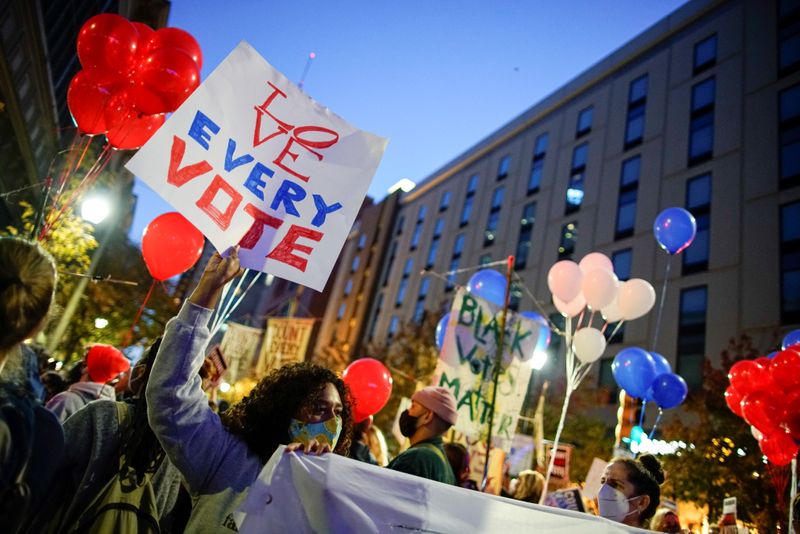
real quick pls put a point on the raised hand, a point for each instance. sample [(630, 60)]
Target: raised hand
[(218, 272)]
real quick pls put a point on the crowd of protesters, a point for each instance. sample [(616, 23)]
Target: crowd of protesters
[(70, 444)]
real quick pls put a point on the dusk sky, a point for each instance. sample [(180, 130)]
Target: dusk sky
[(435, 77)]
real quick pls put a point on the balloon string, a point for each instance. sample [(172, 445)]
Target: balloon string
[(129, 337), (616, 329), (68, 170), (658, 420), (642, 413), (661, 304)]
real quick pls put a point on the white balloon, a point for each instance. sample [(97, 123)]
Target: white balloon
[(756, 433), (564, 280), (611, 313), (599, 287), (571, 308), (636, 297), (588, 344), (596, 260)]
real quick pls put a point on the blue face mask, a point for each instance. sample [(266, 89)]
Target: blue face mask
[(324, 432)]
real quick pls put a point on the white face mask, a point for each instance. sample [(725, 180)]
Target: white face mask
[(613, 504)]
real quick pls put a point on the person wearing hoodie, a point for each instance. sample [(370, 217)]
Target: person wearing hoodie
[(103, 364), (301, 405)]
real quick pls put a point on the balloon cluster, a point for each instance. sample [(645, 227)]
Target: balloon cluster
[(171, 245), (593, 283), (765, 392), (132, 75), (490, 285), (370, 385), (648, 376)]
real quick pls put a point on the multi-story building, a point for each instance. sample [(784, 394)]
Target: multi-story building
[(702, 111)]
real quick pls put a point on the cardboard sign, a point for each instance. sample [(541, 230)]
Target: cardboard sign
[(559, 478), (593, 477), (239, 347), (286, 342), (467, 361), (251, 160)]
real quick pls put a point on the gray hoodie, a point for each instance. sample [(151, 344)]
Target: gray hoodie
[(217, 465), (77, 396)]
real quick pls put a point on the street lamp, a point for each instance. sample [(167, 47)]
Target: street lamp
[(95, 209), (100, 323)]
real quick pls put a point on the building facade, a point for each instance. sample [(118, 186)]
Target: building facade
[(701, 111)]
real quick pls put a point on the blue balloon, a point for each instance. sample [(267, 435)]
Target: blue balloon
[(792, 338), (441, 328), (634, 370), (772, 354), (544, 328), (674, 229), (669, 390), (489, 285), (662, 364)]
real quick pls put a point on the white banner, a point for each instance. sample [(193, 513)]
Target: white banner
[(467, 361), (251, 159), (330, 494)]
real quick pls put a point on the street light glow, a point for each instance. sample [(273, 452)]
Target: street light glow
[(95, 209), (100, 322), (538, 360), (224, 387)]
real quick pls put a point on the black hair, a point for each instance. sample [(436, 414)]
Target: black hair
[(646, 476)]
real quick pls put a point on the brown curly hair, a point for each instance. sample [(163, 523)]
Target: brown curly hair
[(262, 418)]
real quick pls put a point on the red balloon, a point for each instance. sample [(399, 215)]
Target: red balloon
[(764, 362), (762, 410), (779, 448), (748, 375), (785, 370), (178, 39), (733, 399), (108, 41), (792, 414), (370, 386), (145, 34), (88, 95), (129, 127), (171, 74), (171, 245)]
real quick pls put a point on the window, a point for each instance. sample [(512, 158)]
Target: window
[(444, 201), (788, 36), (503, 166), (375, 315), (514, 296), (424, 285), (485, 260), (705, 54), (348, 287), (525, 233), (466, 211), (394, 324), (419, 308), (418, 227), (401, 292), (537, 167), (407, 267), (355, 264), (399, 227), (455, 260), (628, 191), (637, 101), (437, 234), (698, 202), (362, 241), (606, 379), (790, 263), (389, 263), (494, 217), (692, 335), (577, 174), (584, 125), (701, 125), (789, 127), (340, 312), (569, 235), (622, 260)]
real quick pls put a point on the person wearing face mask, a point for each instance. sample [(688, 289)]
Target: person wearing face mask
[(432, 413), (630, 491), (301, 405)]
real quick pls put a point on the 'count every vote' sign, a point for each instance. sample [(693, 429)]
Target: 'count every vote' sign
[(251, 160)]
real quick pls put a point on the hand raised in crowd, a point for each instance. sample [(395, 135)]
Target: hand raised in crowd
[(312, 447), (218, 272)]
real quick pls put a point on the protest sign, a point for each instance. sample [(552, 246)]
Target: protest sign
[(521, 454), (592, 485), (559, 478), (251, 160), (566, 499), (466, 366), (239, 347), (286, 342)]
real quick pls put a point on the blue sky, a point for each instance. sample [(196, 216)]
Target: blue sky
[(434, 76)]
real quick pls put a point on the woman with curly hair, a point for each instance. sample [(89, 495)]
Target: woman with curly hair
[(302, 405), (630, 491)]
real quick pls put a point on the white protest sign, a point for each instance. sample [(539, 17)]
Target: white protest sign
[(250, 159), (239, 347), (467, 361)]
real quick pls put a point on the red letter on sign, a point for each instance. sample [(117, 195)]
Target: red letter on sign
[(283, 127), (223, 220), (261, 220), (178, 177), (284, 251)]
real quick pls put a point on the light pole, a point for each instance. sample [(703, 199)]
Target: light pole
[(94, 209)]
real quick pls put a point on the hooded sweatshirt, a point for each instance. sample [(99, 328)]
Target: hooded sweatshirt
[(77, 396), (217, 465)]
